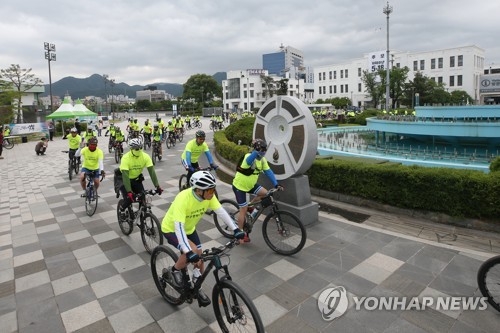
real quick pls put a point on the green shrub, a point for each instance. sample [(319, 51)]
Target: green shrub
[(495, 165), (241, 130)]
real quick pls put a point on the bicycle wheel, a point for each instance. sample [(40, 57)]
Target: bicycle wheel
[(110, 146), (151, 232), (125, 223), (168, 142), (488, 280), (76, 166), (153, 156), (117, 155), (70, 170), (181, 136), (234, 310), (91, 200), (232, 209), (8, 144), (199, 124), (183, 183), (284, 233), (162, 260)]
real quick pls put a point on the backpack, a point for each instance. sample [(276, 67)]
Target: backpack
[(118, 181), (245, 171)]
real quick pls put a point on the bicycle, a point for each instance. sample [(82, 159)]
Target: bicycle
[(488, 280), (91, 196), (147, 140), (232, 306), (197, 123), (183, 181), (8, 144), (170, 141), (287, 236), (179, 135), (155, 155), (73, 165), (118, 151), (111, 144), (143, 217)]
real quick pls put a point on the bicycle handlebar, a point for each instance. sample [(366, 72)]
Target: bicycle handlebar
[(138, 196), (207, 255)]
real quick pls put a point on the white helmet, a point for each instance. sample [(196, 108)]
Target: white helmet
[(202, 180), (135, 143)]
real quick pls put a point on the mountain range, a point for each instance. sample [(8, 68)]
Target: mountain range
[(94, 86)]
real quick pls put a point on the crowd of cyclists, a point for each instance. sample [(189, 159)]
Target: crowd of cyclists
[(180, 221)]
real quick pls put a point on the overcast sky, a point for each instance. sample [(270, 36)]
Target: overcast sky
[(142, 42)]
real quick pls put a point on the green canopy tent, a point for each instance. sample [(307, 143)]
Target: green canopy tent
[(82, 112), (65, 111)]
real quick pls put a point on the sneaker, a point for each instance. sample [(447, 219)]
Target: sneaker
[(1, 157), (177, 279), (203, 299), (84, 195), (246, 239)]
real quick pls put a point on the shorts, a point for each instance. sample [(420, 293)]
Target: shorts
[(241, 196), (96, 175), (172, 239)]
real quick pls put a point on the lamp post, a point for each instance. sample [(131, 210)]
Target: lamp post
[(105, 77), (50, 56), (387, 11), (112, 84)]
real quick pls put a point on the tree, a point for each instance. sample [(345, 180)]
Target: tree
[(6, 98), (460, 97), (22, 80), (201, 88), (282, 87), (268, 86), (143, 104), (373, 88)]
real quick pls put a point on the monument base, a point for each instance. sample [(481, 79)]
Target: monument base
[(296, 198)]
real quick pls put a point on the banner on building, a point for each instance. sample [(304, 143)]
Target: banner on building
[(489, 83), (376, 61)]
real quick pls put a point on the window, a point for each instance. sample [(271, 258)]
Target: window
[(324, 76), (433, 79), (452, 61), (415, 65), (331, 89), (291, 93), (440, 79), (324, 89), (398, 65), (440, 62), (460, 60), (346, 88), (330, 75), (452, 81), (346, 74), (433, 63), (341, 88), (422, 65), (359, 71), (341, 73), (459, 80), (244, 94), (245, 106), (251, 93), (227, 95), (334, 75), (334, 89), (319, 76), (359, 87)]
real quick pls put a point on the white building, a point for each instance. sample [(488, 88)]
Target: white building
[(153, 95), (244, 90), (458, 68)]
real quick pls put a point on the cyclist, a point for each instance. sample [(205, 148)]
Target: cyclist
[(110, 130), (74, 140), (131, 167), (93, 160), (170, 130), (245, 180), (157, 136), (119, 137), (89, 134), (179, 226), (147, 129), (192, 153)]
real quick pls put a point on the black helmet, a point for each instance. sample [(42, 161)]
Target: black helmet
[(93, 141), (260, 145), (200, 134)]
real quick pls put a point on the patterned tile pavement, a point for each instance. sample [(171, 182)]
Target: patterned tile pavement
[(62, 271)]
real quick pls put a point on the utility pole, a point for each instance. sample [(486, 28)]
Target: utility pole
[(387, 11)]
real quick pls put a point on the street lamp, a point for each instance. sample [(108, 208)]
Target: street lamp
[(112, 84), (387, 11), (49, 48), (105, 77)]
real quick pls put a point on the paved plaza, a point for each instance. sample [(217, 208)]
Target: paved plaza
[(62, 271)]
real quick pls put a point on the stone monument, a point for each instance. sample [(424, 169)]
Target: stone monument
[(288, 127)]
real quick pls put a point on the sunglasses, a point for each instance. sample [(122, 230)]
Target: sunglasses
[(210, 190)]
